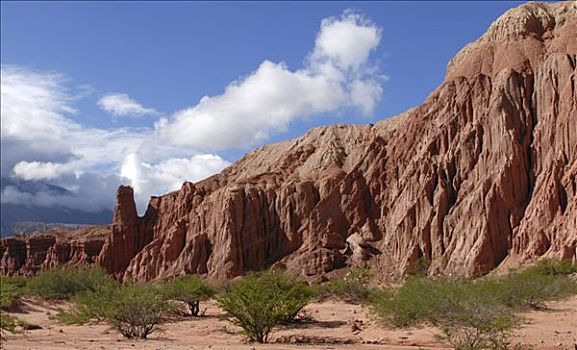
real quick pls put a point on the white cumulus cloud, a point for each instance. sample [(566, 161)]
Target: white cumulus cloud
[(346, 41), (42, 142), (121, 105), (39, 170), (337, 75), (157, 178)]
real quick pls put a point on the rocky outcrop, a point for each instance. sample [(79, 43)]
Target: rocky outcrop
[(482, 174), (128, 235), (26, 255)]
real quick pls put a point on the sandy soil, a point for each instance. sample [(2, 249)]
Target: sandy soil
[(331, 323)]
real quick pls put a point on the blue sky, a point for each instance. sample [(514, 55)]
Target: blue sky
[(156, 60)]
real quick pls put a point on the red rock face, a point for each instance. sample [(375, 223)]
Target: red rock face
[(41, 251), (482, 175), (127, 237)]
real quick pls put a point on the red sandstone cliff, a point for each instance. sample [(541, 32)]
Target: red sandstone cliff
[(40, 251), (482, 174)]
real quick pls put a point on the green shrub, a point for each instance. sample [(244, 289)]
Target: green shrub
[(530, 287), (135, 310), (353, 287), (418, 300), (63, 283), (473, 325), (261, 301), (8, 322), (474, 314), (91, 304), (554, 268), (468, 319), (11, 288), (191, 290)]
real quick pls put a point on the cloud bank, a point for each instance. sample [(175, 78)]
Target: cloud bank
[(43, 138), (337, 75), (41, 141)]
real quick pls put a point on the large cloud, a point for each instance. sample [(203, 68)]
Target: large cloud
[(155, 179), (41, 141), (337, 75), (44, 140)]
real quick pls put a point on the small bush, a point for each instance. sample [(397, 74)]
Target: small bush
[(474, 314), (418, 300), (261, 301), (8, 322), (135, 310), (91, 304), (63, 283), (191, 290), (11, 288), (530, 287), (468, 319), (353, 287), (554, 268), (473, 325)]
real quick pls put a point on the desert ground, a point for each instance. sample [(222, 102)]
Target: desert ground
[(327, 325)]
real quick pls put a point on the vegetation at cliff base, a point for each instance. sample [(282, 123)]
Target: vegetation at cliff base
[(64, 283), (191, 290), (11, 288), (135, 310), (352, 287), (261, 301), (470, 313), (474, 314)]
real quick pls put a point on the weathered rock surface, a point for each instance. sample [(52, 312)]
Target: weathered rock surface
[(27, 255), (482, 174)]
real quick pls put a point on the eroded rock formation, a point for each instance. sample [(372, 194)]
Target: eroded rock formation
[(482, 174), (30, 254)]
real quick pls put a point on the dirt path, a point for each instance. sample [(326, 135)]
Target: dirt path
[(334, 324)]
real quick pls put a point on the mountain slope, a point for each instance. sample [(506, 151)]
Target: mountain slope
[(482, 174)]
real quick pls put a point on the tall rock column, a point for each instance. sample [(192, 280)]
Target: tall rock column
[(127, 237)]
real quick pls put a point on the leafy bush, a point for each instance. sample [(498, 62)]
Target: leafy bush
[(474, 314), (353, 287), (135, 310), (472, 325), (417, 300), (7, 323), (469, 320), (11, 288), (91, 304), (260, 301), (191, 290), (554, 268), (63, 283), (532, 286)]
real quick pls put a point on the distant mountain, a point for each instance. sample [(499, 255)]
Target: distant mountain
[(26, 218)]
